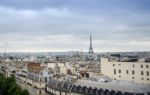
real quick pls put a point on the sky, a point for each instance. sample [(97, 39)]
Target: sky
[(66, 25)]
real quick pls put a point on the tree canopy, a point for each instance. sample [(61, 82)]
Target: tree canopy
[(8, 86)]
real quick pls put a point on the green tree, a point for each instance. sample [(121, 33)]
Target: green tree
[(24, 92), (17, 91), (12, 89), (2, 78), (8, 86)]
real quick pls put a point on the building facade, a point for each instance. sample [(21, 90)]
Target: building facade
[(138, 72), (38, 76)]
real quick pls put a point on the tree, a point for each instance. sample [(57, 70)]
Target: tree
[(8, 86), (12, 89), (17, 91), (24, 92), (2, 78)]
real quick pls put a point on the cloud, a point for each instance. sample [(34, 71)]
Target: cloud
[(61, 27)]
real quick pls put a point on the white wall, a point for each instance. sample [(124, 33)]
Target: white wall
[(107, 68)]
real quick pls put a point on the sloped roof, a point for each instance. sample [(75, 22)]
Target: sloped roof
[(35, 67), (117, 85)]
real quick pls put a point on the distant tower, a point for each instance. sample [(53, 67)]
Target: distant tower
[(91, 48)]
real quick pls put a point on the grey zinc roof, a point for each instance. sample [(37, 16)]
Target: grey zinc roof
[(117, 85)]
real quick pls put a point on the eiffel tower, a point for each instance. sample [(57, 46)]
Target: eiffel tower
[(91, 48)]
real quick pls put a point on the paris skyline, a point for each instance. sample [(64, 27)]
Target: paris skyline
[(65, 25)]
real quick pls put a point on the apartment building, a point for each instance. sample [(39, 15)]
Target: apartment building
[(38, 76), (137, 71)]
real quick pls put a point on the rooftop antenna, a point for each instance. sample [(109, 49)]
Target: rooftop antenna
[(5, 50)]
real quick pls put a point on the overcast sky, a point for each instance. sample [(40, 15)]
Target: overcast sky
[(65, 25)]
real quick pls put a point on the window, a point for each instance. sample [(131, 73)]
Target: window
[(133, 66), (147, 78), (45, 79), (40, 79), (114, 71), (133, 72), (119, 71), (119, 76), (113, 65), (142, 73), (40, 92), (133, 77), (147, 73), (127, 72), (141, 66), (147, 66)]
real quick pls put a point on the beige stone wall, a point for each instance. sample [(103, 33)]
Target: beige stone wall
[(51, 65), (37, 84), (63, 70), (107, 68)]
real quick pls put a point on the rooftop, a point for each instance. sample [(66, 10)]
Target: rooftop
[(35, 67), (117, 85)]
